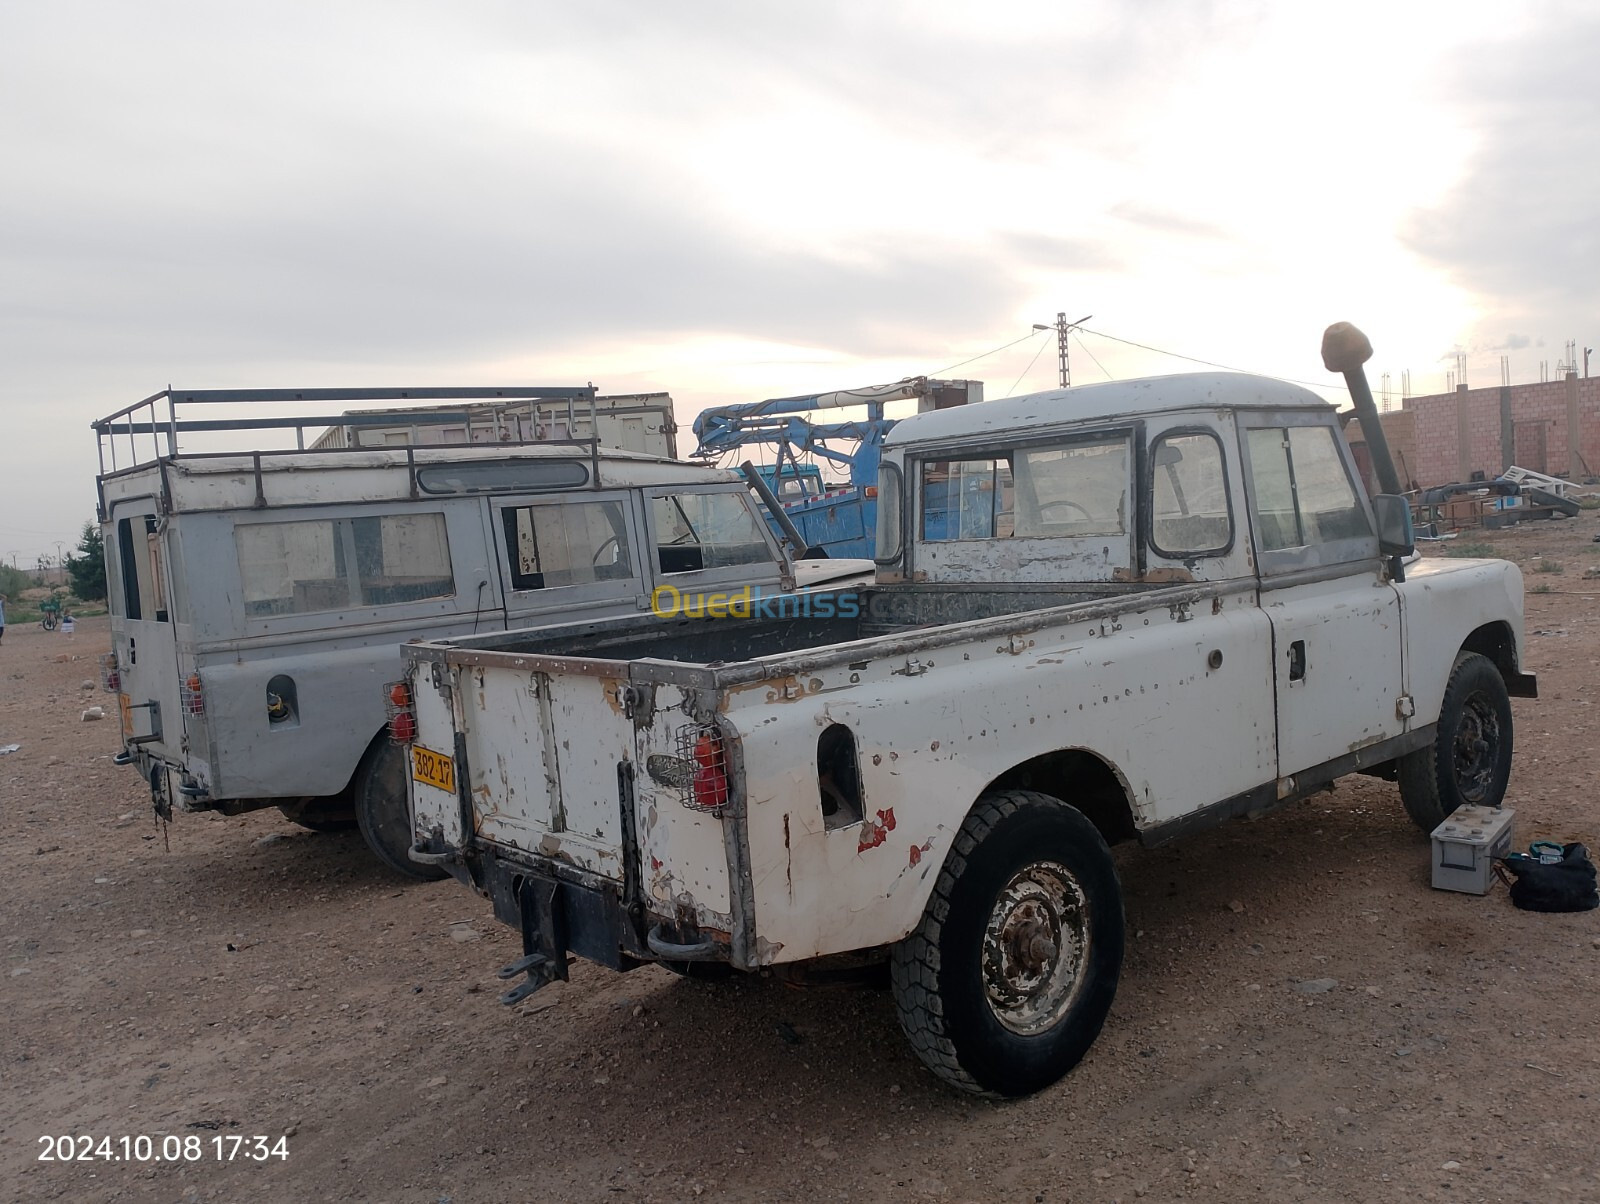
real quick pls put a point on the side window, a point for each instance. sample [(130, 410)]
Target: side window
[(156, 583), (967, 499), (128, 570), (1329, 507), (401, 558), (567, 543), (696, 531), (337, 564), (1189, 513), (1276, 517), (1303, 496)]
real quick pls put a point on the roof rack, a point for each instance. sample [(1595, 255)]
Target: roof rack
[(145, 418)]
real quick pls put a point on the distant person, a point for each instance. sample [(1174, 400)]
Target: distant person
[(2, 616), (66, 625)]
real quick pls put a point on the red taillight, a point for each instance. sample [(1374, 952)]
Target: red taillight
[(194, 699), (402, 727), (710, 787), (402, 722), (110, 673)]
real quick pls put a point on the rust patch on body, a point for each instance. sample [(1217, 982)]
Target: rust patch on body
[(875, 832), (1166, 575), (783, 689)]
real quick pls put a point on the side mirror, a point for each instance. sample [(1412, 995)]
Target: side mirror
[(1393, 513)]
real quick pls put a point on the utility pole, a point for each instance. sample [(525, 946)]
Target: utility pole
[(1065, 328)]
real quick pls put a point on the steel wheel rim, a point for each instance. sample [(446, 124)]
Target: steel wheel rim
[(1476, 748), (1034, 947)]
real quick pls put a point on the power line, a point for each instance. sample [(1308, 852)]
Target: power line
[(1096, 359), (986, 354), (1028, 369), (1207, 363)]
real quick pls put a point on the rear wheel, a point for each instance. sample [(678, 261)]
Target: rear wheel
[(331, 814), (383, 810), (1469, 761), (1005, 983)]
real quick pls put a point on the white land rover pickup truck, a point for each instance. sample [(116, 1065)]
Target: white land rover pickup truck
[(1121, 611)]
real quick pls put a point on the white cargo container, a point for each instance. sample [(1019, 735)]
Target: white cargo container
[(641, 422)]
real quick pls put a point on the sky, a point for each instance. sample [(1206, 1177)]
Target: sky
[(731, 200)]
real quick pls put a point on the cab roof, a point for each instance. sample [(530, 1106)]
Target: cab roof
[(1113, 399)]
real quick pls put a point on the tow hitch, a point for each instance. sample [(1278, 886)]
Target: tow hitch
[(544, 947)]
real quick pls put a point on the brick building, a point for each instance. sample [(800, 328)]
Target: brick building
[(1551, 427)]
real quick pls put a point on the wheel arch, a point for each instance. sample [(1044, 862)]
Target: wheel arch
[(1498, 642), (1082, 779)]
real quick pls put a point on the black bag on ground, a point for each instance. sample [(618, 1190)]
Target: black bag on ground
[(1565, 885)]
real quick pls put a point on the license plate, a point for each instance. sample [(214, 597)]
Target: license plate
[(433, 769)]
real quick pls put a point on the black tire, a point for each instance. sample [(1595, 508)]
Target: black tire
[(383, 810), (1024, 866), (316, 820), (1469, 760)]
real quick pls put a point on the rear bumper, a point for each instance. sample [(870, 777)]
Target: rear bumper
[(170, 782), (563, 912)]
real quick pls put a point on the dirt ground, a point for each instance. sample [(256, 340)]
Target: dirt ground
[(243, 977)]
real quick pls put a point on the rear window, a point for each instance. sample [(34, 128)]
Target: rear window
[(142, 568), (344, 563), (1063, 491)]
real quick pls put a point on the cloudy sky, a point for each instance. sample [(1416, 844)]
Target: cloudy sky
[(732, 200)]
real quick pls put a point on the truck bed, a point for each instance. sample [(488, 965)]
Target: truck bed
[(711, 652)]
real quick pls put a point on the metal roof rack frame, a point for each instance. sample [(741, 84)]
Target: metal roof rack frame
[(145, 418)]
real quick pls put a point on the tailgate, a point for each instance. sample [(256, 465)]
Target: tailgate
[(540, 755)]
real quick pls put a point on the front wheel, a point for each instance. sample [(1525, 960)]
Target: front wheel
[(1005, 983), (1469, 761), (383, 810)]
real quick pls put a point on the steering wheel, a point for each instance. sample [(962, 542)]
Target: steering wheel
[(1044, 511), (600, 551)]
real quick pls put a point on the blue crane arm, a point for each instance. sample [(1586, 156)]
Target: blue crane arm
[(723, 428)]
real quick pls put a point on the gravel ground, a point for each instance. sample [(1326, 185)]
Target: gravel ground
[(240, 977)]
